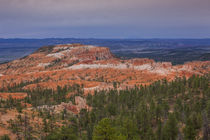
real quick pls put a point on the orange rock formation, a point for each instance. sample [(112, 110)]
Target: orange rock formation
[(93, 67)]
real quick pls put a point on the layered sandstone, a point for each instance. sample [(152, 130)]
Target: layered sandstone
[(93, 67)]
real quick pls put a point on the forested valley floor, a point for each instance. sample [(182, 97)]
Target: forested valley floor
[(164, 110)]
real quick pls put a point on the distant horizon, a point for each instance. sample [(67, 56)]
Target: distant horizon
[(110, 38)]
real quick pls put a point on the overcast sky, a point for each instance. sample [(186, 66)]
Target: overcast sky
[(105, 18)]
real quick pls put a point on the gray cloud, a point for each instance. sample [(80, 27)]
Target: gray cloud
[(66, 18)]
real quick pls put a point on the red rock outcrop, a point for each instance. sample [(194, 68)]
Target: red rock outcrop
[(55, 58), (93, 67), (80, 103), (13, 95)]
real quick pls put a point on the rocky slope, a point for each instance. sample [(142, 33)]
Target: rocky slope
[(54, 58), (93, 67)]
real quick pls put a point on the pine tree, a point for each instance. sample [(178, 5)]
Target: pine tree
[(170, 130), (104, 130), (4, 137), (189, 130)]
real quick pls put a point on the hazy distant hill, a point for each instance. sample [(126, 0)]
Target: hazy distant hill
[(175, 50)]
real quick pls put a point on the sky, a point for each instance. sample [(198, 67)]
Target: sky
[(104, 18)]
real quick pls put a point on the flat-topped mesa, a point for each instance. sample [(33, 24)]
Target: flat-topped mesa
[(77, 50), (56, 57)]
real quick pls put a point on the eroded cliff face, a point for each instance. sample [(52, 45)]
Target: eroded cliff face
[(93, 67), (54, 58)]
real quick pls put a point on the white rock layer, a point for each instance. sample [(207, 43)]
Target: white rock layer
[(148, 67), (43, 64)]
